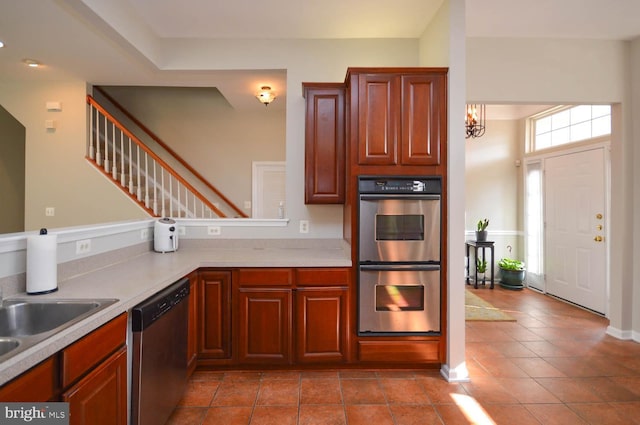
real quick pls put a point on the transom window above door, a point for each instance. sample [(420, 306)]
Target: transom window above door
[(569, 124)]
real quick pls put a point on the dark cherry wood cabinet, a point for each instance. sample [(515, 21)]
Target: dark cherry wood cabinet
[(100, 398), (192, 327), (321, 325), (398, 116), (214, 314), (90, 374), (264, 331), (324, 143), (38, 384)]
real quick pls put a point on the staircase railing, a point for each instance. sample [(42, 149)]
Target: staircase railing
[(171, 152), (140, 173)]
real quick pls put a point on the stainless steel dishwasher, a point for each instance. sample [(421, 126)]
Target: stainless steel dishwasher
[(159, 360)]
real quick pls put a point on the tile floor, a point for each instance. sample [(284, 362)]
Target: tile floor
[(555, 365)]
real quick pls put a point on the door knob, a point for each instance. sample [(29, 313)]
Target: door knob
[(599, 216), (598, 238)]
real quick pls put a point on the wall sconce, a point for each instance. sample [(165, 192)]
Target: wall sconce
[(265, 95), (475, 120)]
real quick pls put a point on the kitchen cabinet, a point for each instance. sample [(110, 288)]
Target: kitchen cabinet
[(264, 315), (38, 384), (90, 374), (398, 115), (324, 143), (293, 316), (264, 334), (214, 314), (101, 396)]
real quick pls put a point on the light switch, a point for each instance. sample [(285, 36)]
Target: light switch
[(54, 106), (50, 124)]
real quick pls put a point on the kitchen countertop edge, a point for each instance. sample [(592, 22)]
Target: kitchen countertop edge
[(135, 280)]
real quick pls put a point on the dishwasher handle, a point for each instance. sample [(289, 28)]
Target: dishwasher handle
[(153, 308)]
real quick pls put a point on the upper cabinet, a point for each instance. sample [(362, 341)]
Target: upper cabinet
[(324, 143), (398, 116)]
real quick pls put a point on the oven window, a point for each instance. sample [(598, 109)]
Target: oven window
[(400, 227), (399, 297)]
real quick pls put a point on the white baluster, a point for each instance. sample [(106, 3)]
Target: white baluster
[(130, 168), (179, 204), (146, 180), (163, 195), (114, 166), (122, 173), (171, 196), (99, 152), (92, 139), (155, 189), (138, 183), (106, 145)]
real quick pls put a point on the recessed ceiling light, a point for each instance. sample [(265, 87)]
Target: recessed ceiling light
[(1, 44), (31, 63)]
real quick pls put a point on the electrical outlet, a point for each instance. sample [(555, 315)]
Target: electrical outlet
[(304, 226), (83, 246), (49, 211), (247, 205), (182, 230), (144, 234), (214, 230)]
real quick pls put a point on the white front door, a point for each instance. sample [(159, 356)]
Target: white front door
[(575, 254)]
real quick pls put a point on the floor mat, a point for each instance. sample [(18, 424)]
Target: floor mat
[(477, 309)]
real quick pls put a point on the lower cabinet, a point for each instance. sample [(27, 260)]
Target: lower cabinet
[(264, 331), (214, 314), (321, 325), (90, 374), (101, 396)]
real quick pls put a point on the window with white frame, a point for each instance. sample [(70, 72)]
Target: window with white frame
[(569, 125)]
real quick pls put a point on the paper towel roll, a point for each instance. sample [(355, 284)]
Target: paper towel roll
[(42, 264)]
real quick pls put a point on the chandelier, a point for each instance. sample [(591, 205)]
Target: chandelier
[(474, 121)]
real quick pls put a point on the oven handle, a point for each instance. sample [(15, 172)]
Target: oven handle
[(421, 197), (400, 267)]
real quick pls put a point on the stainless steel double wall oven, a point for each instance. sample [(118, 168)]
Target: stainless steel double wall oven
[(399, 255)]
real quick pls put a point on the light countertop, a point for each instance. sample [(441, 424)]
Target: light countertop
[(134, 280)]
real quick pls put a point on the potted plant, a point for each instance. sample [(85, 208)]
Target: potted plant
[(512, 273), (481, 268), (481, 230)]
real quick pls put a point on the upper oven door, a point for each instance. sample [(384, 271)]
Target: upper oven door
[(399, 228)]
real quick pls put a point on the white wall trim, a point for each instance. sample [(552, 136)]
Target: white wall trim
[(232, 222), (459, 374), (620, 334), (472, 233)]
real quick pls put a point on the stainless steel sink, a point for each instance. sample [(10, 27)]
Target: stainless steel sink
[(26, 322)]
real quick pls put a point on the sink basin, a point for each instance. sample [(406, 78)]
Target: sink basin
[(26, 322), (31, 318), (7, 345)]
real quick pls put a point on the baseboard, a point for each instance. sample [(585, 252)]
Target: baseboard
[(459, 374), (620, 334)]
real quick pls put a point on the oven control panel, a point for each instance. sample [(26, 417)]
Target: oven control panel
[(418, 185)]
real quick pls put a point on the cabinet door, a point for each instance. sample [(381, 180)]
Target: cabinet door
[(324, 143), (214, 311), (192, 335), (38, 384), (100, 398), (264, 334), (378, 118), (423, 126), (321, 325)]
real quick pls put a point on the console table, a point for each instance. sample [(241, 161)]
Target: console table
[(478, 246)]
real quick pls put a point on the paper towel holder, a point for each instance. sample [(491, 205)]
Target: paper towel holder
[(43, 278)]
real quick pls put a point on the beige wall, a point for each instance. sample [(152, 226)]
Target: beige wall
[(574, 71), (57, 174), (493, 184), (220, 142), (12, 151)]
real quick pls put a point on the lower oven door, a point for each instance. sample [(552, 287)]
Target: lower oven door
[(399, 299)]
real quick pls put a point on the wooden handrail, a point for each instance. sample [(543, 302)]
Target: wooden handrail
[(121, 127), (171, 152)]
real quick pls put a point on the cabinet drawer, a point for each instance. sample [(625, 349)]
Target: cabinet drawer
[(265, 276), (39, 384), (399, 351), (323, 277), (81, 356)]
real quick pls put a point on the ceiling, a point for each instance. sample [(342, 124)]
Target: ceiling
[(121, 41)]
